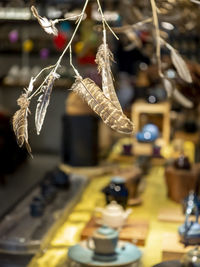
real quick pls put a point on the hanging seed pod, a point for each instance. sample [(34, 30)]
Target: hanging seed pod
[(20, 122), (96, 99), (103, 59)]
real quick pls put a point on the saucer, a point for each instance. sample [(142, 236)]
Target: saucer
[(127, 253), (104, 258)]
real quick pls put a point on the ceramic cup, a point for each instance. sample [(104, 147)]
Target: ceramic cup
[(103, 243)]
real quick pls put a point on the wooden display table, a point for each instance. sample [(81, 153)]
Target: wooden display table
[(172, 248), (181, 182), (174, 215), (134, 231)]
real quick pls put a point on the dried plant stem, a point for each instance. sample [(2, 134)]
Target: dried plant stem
[(68, 45), (68, 18), (133, 26), (71, 63), (37, 91), (104, 20), (162, 41), (57, 64), (157, 32), (47, 68)]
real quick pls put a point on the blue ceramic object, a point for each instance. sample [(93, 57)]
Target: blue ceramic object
[(126, 252), (149, 133), (58, 178), (37, 207), (104, 243), (117, 191), (152, 128), (194, 201), (190, 231), (48, 191)]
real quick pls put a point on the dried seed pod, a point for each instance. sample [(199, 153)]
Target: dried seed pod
[(96, 99), (103, 58), (43, 101), (20, 122)]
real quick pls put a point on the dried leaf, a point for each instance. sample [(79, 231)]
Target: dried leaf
[(181, 99), (195, 2), (176, 94), (47, 25), (133, 38), (180, 66), (103, 58), (43, 102), (103, 106), (20, 122), (168, 86)]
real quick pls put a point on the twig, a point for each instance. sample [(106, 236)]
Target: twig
[(122, 29), (133, 26), (156, 24), (68, 45), (37, 91), (68, 18), (104, 20), (70, 60), (47, 68), (57, 64)]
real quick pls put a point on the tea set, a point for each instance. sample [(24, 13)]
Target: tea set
[(103, 247), (113, 215)]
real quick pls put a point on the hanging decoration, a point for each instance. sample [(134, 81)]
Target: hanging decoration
[(103, 101)]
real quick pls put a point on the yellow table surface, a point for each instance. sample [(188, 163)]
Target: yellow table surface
[(154, 199)]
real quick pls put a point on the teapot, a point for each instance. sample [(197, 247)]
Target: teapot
[(113, 215)]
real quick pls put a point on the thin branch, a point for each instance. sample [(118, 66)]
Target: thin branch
[(104, 20), (128, 27), (68, 18), (71, 63), (47, 68), (37, 91), (68, 45), (157, 32), (57, 64)]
